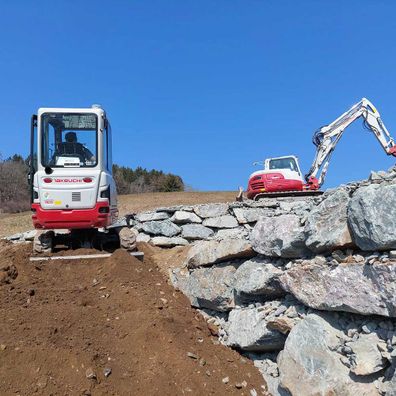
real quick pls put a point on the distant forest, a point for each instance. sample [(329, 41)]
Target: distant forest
[(14, 189)]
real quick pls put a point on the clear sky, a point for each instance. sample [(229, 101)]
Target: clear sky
[(204, 88)]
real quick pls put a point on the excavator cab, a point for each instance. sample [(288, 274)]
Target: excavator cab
[(281, 174)]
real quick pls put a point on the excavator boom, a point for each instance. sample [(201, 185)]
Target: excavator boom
[(327, 137)]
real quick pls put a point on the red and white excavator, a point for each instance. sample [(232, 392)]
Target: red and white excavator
[(73, 193), (282, 176)]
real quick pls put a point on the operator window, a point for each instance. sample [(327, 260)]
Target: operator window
[(69, 140)]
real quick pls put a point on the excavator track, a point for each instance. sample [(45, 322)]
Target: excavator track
[(279, 194), (47, 242)]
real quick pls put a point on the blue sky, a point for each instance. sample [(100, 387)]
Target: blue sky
[(204, 88)]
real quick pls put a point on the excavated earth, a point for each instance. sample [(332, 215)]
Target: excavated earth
[(65, 324)]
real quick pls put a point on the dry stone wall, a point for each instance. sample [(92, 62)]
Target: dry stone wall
[(305, 287)]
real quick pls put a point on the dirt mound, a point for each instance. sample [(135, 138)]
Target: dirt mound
[(111, 326)]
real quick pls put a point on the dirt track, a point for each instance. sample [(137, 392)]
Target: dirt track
[(60, 321)]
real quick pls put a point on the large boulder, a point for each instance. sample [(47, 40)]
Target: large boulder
[(163, 228), (257, 276), (354, 287), (210, 288), (226, 221), (280, 236), (372, 217), (196, 231), (327, 223), (247, 330), (211, 210), (309, 365), (211, 252)]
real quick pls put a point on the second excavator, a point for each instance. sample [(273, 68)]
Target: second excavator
[(282, 176)]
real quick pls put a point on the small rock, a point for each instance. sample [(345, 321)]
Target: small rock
[(339, 256), (90, 374), (192, 355), (31, 292), (181, 217), (225, 380), (107, 371)]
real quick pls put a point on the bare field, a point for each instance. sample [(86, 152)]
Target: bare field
[(133, 203)]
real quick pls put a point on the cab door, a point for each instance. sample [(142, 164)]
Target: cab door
[(33, 155)]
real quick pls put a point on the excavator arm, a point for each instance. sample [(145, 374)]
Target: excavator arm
[(326, 138)]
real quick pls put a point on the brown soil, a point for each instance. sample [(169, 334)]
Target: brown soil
[(13, 223), (64, 321)]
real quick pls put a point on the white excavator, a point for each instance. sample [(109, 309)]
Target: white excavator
[(282, 176), (73, 193)]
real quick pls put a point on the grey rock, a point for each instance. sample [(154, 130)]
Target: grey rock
[(269, 370), (371, 220), (15, 237), (232, 233), (210, 288), (263, 203), (211, 210), (182, 217), (308, 365), (248, 215), (168, 242), (163, 228), (368, 359), (247, 330), (327, 223), (29, 235), (151, 216), (358, 288), (169, 209), (142, 237), (388, 386), (375, 176), (211, 252), (257, 277), (196, 231), (280, 236), (392, 254), (226, 221)]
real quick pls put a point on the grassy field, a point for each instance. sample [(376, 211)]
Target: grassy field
[(13, 223)]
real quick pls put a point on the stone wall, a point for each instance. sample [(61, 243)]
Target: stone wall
[(304, 287)]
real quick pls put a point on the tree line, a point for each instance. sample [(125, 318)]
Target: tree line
[(15, 194)]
